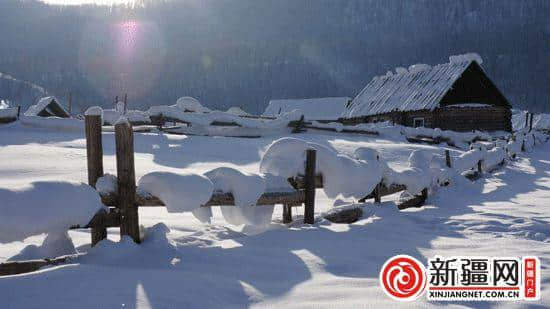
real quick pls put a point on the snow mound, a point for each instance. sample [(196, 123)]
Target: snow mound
[(466, 58), (53, 123), (467, 160), (246, 190), (190, 104), (179, 192), (342, 175), (4, 104), (417, 176), (237, 111), (419, 67), (401, 70), (106, 184), (44, 207), (94, 111), (54, 245), (493, 158)]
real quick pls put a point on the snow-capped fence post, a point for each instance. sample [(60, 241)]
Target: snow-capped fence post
[(287, 213), (94, 148), (124, 138), (94, 154), (447, 158), (309, 181)]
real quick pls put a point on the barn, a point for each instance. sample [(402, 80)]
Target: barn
[(47, 107), (320, 109), (456, 96)]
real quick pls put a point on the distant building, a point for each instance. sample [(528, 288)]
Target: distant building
[(312, 109), (454, 96), (47, 107)]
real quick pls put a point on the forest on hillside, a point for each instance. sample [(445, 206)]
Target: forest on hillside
[(244, 53)]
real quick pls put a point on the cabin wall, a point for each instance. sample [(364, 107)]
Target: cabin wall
[(460, 119), (468, 118)]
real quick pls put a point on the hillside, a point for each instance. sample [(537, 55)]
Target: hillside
[(245, 53)]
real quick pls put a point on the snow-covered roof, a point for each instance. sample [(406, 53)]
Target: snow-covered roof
[(418, 88), (191, 104), (50, 105), (237, 111), (312, 109)]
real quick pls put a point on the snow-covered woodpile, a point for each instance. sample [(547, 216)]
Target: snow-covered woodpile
[(320, 109), (456, 95)]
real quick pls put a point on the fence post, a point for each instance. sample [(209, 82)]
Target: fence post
[(526, 119), (18, 110), (377, 195), (448, 158), (479, 170), (124, 138), (94, 154), (287, 213), (309, 183), (531, 122)]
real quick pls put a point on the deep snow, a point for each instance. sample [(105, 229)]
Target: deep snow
[(183, 263)]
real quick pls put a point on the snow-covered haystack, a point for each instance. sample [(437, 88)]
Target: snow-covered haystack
[(190, 104), (466, 58), (45, 207), (246, 190), (342, 175)]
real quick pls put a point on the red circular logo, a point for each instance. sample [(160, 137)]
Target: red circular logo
[(403, 278)]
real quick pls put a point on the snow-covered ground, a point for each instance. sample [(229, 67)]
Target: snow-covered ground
[(186, 264)]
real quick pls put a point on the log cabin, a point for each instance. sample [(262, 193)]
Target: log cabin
[(456, 96)]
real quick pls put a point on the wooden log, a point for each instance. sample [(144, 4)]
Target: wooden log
[(94, 154), (21, 267), (299, 182), (377, 195), (94, 148), (346, 215), (448, 158), (384, 190), (144, 199), (124, 138), (102, 219), (287, 213), (415, 201), (309, 203)]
